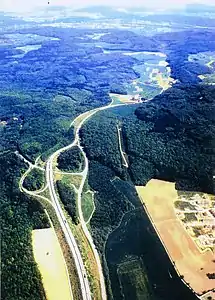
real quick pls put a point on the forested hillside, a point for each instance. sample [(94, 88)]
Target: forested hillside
[(178, 144), (20, 278), (170, 137), (51, 74)]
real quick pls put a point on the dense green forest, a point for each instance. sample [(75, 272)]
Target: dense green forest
[(71, 160), (106, 153), (111, 204), (170, 137), (68, 198), (20, 278), (182, 131), (34, 180), (68, 73)]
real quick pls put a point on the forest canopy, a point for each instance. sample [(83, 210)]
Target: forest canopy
[(170, 138)]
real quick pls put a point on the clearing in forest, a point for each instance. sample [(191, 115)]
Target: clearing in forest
[(193, 264), (51, 263)]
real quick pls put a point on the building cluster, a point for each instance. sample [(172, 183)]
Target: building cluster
[(202, 227), (206, 240), (138, 98)]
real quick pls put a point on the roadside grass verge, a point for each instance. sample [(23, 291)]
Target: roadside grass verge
[(73, 276), (87, 256), (87, 205), (72, 180)]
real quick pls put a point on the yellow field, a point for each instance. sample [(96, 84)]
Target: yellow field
[(58, 176), (123, 98), (50, 260), (164, 83), (158, 197)]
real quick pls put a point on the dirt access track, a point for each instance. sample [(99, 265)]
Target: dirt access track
[(158, 197)]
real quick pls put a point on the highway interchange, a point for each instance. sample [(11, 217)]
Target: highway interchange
[(55, 202)]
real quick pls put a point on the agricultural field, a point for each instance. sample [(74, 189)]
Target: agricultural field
[(192, 264), (206, 59), (203, 58), (208, 79), (133, 281), (49, 257), (154, 75)]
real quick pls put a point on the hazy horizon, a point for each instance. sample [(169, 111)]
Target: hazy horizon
[(26, 5)]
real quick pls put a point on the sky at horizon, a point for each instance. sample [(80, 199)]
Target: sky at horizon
[(27, 5)]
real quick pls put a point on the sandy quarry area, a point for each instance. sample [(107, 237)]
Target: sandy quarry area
[(51, 263)]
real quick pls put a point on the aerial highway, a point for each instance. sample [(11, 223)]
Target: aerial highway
[(85, 289), (55, 202), (59, 212), (84, 283)]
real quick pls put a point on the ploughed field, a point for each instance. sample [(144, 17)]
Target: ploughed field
[(191, 263)]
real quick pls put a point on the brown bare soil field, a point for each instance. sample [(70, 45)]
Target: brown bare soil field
[(158, 197)]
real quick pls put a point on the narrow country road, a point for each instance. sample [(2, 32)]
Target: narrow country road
[(125, 163)]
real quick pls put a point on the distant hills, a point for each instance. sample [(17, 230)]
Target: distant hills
[(175, 15), (112, 12), (105, 9), (200, 8)]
